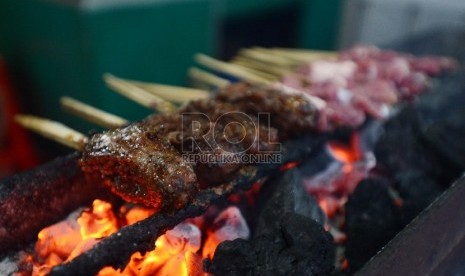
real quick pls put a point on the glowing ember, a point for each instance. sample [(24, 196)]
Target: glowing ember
[(98, 222), (169, 256), (289, 166), (333, 186), (329, 205), (176, 252), (347, 154), (229, 225), (65, 240)]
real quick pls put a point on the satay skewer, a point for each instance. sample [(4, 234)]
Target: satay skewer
[(318, 102), (276, 71), (261, 73), (53, 130), (138, 94), (304, 51), (267, 57), (279, 61), (303, 54), (231, 69), (175, 94), (92, 114), (207, 78)]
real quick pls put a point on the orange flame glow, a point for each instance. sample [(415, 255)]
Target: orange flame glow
[(329, 205), (289, 166), (169, 256), (67, 239), (332, 189), (99, 222), (177, 252), (347, 153)]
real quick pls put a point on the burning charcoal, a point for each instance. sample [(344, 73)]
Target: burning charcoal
[(49, 238), (173, 246), (372, 220), (285, 194), (417, 191), (298, 246), (229, 225)]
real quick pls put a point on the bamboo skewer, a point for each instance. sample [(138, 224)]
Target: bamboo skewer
[(304, 55), (305, 51), (316, 101), (92, 114), (71, 138), (265, 75), (138, 94), (172, 93), (232, 69), (265, 56), (276, 71), (207, 78), (53, 130)]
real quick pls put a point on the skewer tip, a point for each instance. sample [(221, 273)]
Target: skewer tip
[(53, 130)]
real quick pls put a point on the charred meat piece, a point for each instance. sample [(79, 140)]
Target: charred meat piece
[(215, 131), (141, 167), (231, 125), (228, 143), (291, 114)]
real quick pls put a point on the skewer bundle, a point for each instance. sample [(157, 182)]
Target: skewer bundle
[(261, 66), (257, 65)]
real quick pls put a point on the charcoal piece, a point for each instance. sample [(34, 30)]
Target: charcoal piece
[(446, 137), (372, 220), (300, 246), (318, 163), (282, 195), (442, 118), (310, 249), (234, 258), (427, 136), (417, 191), (402, 148)]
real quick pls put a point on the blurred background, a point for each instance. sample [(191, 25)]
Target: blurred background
[(51, 48)]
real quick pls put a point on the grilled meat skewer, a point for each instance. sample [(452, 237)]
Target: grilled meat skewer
[(143, 162)]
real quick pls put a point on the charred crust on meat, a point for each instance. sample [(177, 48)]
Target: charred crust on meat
[(143, 162), (140, 167)]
